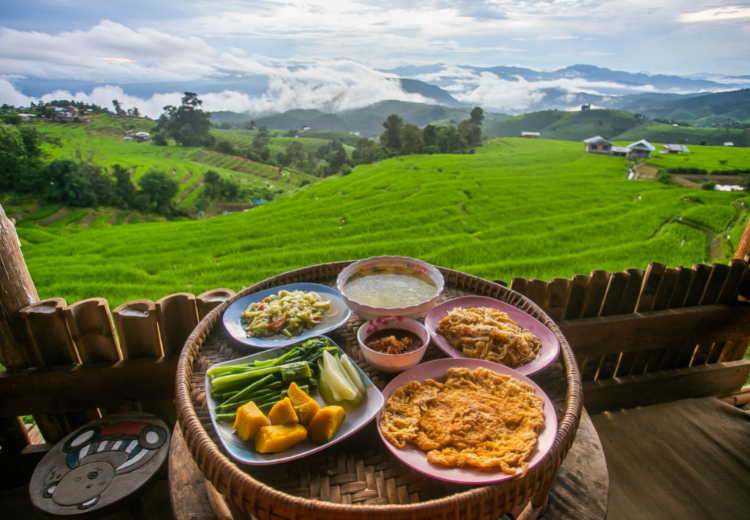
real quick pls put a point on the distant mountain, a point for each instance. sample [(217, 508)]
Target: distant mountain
[(440, 96), (367, 121), (721, 107)]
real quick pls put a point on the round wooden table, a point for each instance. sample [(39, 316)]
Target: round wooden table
[(581, 489)]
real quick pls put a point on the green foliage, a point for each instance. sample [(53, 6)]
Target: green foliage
[(390, 139), (708, 185), (159, 190), (664, 177), (411, 139), (531, 208), (367, 152), (187, 124)]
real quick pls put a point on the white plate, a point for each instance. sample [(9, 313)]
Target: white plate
[(243, 451)]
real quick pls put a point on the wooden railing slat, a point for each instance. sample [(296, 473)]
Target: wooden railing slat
[(178, 316), (559, 289), (519, 285), (698, 285), (632, 290), (635, 362), (209, 300), (537, 292), (90, 323), (612, 300), (138, 329), (578, 289)]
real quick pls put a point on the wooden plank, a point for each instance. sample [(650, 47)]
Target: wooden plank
[(661, 302), (635, 362), (93, 332), (519, 285), (598, 283), (659, 387), (178, 316), (677, 301), (187, 488), (537, 292), (615, 292), (714, 287), (209, 300), (37, 390), (138, 329), (632, 290), (53, 345), (698, 285), (737, 269), (655, 329), (612, 301), (577, 296), (559, 289)]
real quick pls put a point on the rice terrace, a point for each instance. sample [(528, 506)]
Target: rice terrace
[(518, 207)]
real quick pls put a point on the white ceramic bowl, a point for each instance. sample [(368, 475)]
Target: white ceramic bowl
[(392, 363), (367, 312)]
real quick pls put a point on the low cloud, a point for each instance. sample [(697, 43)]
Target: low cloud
[(716, 14)]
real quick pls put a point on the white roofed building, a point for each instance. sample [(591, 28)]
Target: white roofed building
[(640, 149), (676, 148), (729, 143), (531, 135), (597, 144)]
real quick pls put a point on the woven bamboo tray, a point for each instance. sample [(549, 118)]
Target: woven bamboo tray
[(358, 478)]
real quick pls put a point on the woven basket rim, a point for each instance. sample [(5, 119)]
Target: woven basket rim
[(242, 488)]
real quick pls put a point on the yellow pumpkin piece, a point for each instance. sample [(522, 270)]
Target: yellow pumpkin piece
[(275, 439), (283, 413), (249, 420), (305, 406), (325, 424)]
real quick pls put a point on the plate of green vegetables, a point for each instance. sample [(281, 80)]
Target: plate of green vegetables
[(316, 366)]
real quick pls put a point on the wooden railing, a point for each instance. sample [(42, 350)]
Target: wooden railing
[(640, 337)]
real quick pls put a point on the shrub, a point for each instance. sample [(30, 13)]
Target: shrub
[(708, 185), (682, 169), (664, 177)]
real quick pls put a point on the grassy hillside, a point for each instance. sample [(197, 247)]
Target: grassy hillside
[(612, 124), (707, 158), (534, 208), (567, 126), (101, 141), (660, 133), (722, 107)]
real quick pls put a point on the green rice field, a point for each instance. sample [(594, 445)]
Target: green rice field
[(531, 208)]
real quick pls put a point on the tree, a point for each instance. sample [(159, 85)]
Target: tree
[(118, 108), (21, 162), (159, 189), (477, 116), (429, 139), (295, 153), (226, 147), (366, 152), (126, 194), (470, 133), (411, 139), (390, 139), (134, 112), (259, 150), (187, 124), (250, 125), (66, 184)]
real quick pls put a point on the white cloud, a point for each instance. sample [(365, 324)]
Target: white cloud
[(716, 14)]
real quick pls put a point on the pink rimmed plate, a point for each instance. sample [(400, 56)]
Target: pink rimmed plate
[(417, 459), (548, 352)]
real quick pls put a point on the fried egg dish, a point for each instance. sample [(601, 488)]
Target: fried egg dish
[(477, 419), (484, 333)]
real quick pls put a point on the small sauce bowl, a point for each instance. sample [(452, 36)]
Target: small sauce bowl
[(393, 363)]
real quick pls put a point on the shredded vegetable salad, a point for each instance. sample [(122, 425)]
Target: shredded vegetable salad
[(288, 313)]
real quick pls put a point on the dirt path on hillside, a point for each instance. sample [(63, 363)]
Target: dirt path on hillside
[(47, 221)]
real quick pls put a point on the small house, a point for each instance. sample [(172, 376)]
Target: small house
[(306, 129), (676, 148), (531, 135), (127, 138), (143, 137), (640, 149), (27, 117), (619, 151), (128, 132), (729, 143), (597, 144)]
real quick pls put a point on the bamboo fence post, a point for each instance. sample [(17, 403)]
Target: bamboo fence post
[(16, 292), (178, 316), (209, 300)]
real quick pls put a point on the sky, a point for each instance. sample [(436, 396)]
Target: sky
[(270, 55)]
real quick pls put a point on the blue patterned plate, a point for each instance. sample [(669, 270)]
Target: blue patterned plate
[(334, 318)]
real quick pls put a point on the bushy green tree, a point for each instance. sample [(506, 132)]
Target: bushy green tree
[(159, 189), (390, 139), (477, 116), (65, 183), (411, 139), (187, 124), (366, 152)]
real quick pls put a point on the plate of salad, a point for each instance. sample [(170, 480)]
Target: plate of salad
[(285, 315), (287, 403)]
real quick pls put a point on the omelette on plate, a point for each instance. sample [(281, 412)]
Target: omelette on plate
[(476, 418)]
